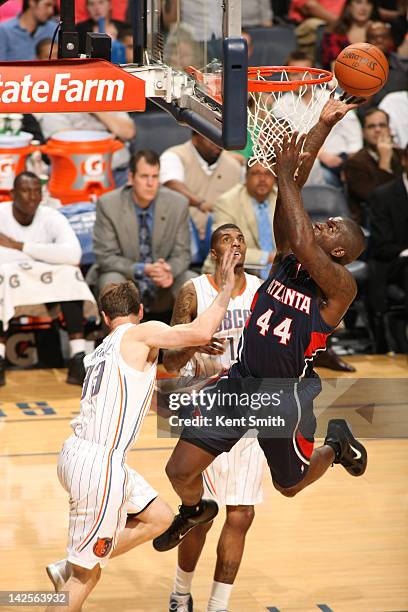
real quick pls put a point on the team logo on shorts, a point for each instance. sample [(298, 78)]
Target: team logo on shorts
[(102, 547)]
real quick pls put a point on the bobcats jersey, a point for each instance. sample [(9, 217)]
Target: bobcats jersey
[(285, 329), (231, 327), (115, 397)]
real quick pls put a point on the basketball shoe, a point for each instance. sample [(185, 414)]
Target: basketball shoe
[(349, 452), (204, 512), (58, 573), (180, 603)]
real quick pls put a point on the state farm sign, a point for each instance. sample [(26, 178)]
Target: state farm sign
[(68, 85)]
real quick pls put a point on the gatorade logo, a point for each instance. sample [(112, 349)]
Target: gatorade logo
[(94, 166), (7, 166), (61, 87)]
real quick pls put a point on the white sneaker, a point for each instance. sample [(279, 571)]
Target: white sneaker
[(180, 603), (58, 573)]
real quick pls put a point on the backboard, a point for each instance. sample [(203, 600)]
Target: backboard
[(197, 62)]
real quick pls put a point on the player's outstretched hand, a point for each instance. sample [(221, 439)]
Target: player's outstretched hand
[(290, 156), (335, 109), (228, 262)]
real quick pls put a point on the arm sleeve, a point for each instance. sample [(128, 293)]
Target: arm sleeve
[(171, 168), (356, 179), (51, 123), (63, 246), (180, 257), (107, 248), (265, 11)]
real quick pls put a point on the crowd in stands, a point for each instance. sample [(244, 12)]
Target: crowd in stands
[(155, 226)]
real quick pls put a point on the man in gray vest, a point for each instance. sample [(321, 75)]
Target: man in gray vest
[(201, 172)]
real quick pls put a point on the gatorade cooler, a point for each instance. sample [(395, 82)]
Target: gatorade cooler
[(14, 149), (81, 164)]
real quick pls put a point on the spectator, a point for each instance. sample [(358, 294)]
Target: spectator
[(141, 233), (45, 50), (257, 13), (118, 123), (119, 10), (351, 27), (251, 206), (309, 15), (200, 171), (388, 212), (125, 36), (180, 49), (379, 34), (396, 106), (375, 164), (32, 236), (19, 36), (99, 21)]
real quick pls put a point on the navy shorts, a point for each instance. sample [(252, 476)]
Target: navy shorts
[(284, 427)]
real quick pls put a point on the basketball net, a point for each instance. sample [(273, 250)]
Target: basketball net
[(279, 108)]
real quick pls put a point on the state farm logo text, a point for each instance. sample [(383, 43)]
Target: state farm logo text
[(61, 88)]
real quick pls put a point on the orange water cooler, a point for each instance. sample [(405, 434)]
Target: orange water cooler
[(81, 164), (14, 149)]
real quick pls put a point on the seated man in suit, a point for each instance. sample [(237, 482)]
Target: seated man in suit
[(375, 164), (141, 233), (388, 213), (251, 205)]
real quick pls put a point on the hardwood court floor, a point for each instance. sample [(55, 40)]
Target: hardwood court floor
[(342, 544)]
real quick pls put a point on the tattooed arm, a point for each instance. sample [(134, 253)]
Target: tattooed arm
[(184, 311)]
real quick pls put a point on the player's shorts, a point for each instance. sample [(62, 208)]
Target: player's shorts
[(235, 478), (287, 446), (103, 490)]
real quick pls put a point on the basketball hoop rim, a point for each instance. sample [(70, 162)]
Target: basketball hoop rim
[(255, 84)]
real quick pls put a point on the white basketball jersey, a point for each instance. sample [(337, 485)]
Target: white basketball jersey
[(115, 397), (203, 365)]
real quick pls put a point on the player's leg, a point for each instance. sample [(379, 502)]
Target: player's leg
[(79, 585), (184, 470), (188, 554), (3, 339), (230, 550), (144, 526), (73, 316), (294, 464)]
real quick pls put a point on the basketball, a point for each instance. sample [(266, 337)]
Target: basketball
[(361, 69)]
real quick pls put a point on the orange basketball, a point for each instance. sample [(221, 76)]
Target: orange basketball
[(361, 69)]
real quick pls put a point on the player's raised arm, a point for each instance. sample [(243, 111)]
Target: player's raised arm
[(332, 112), (322, 248), (201, 330)]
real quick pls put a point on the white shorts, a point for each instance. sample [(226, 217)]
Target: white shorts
[(103, 490), (235, 478)]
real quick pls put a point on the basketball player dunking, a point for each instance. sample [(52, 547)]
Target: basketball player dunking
[(234, 479), (112, 508), (297, 307)]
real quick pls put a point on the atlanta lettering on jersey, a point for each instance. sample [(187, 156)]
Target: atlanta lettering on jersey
[(290, 297), (234, 319)]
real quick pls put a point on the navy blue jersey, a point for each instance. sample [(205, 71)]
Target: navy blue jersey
[(285, 328)]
